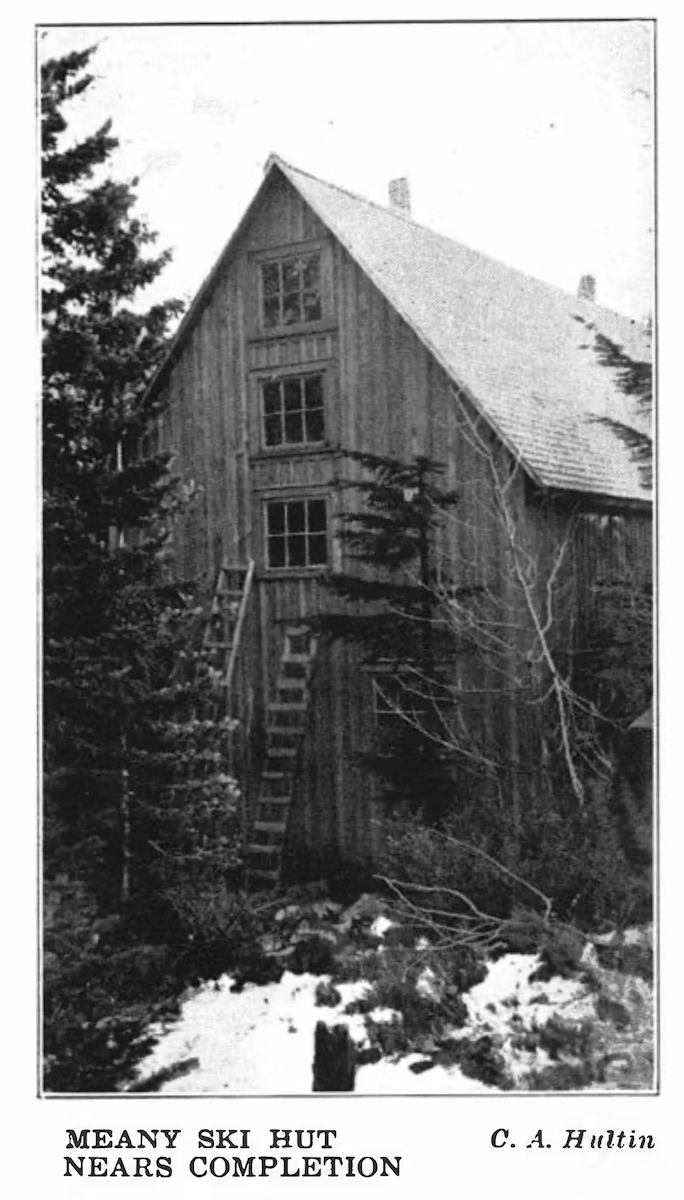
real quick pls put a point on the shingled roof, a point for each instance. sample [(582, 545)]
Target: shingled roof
[(511, 343)]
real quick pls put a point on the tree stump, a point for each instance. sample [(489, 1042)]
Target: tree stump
[(334, 1065)]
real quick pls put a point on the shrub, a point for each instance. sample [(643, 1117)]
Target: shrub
[(570, 854), (98, 994), (104, 983)]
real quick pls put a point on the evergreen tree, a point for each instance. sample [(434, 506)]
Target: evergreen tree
[(394, 613), (108, 620), (618, 661), (634, 378)]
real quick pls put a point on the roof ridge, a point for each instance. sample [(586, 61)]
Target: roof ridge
[(590, 306), (275, 159)]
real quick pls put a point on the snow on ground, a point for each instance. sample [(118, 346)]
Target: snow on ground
[(258, 1041), (506, 1003), (507, 986), (380, 926)]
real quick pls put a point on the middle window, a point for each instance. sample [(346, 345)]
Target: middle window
[(297, 533), (293, 411)]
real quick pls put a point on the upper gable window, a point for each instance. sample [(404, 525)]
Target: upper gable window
[(291, 290)]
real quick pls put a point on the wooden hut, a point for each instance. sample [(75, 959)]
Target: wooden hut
[(328, 324)]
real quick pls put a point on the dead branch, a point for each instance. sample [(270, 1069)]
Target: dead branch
[(548, 904)]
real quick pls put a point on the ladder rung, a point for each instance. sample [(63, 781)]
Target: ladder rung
[(263, 848), (281, 751), (269, 826), (264, 873), (277, 706)]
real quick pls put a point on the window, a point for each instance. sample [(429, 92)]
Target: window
[(398, 701), (296, 533), (293, 410), (291, 290)]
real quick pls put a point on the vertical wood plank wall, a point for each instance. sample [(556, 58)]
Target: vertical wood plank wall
[(385, 394)]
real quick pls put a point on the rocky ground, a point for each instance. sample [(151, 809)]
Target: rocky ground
[(575, 1014)]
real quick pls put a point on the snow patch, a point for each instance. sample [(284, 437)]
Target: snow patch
[(258, 1041), (426, 984), (380, 926)]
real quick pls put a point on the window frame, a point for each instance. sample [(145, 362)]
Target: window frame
[(279, 255), (290, 568), (282, 377), (385, 714)]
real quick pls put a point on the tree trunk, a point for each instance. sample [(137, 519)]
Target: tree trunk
[(334, 1065), (125, 825)]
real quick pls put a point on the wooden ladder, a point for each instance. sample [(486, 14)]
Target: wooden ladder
[(286, 718), (223, 630)]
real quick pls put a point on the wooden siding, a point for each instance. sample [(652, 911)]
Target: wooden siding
[(385, 394)]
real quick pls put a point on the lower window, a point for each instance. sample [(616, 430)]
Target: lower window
[(296, 533), (398, 701)]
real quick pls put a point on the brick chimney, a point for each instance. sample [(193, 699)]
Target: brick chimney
[(400, 196), (586, 289)]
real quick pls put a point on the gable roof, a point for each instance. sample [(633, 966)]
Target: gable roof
[(513, 344)]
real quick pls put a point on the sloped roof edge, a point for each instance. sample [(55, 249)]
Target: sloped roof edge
[(206, 287), (461, 387), (274, 162), (311, 189)]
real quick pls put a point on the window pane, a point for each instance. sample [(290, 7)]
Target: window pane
[(273, 429), (318, 550), (271, 310), (276, 552), (313, 391), (272, 396), (276, 518), (312, 306), (291, 275), (316, 516), (292, 308), (294, 427), (312, 272), (295, 516), (314, 426), (296, 549), (270, 274), (292, 392)]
